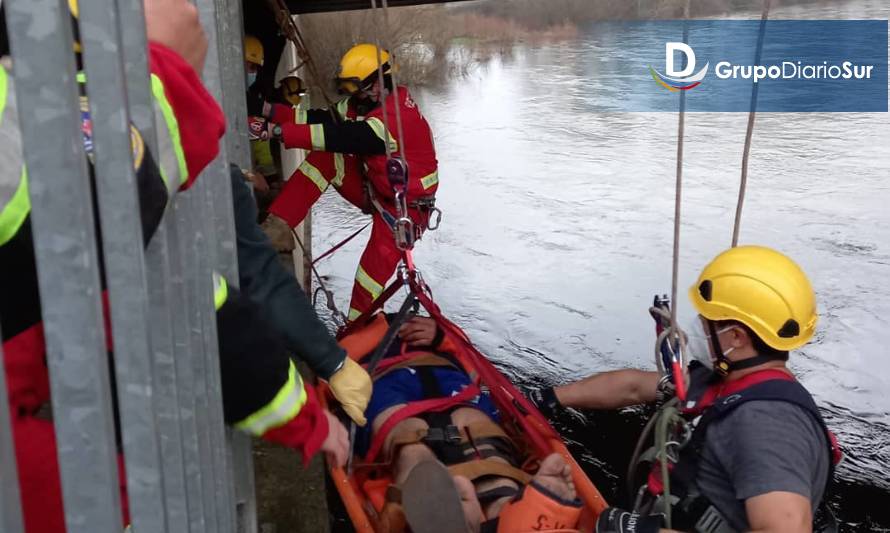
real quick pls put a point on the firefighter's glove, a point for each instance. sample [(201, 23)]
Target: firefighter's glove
[(351, 386), (615, 520), (279, 232)]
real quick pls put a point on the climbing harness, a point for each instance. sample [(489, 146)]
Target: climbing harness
[(679, 440), (404, 232)]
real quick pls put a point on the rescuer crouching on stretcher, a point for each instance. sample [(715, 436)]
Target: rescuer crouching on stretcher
[(453, 467)]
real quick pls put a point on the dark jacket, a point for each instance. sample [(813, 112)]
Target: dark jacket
[(265, 281)]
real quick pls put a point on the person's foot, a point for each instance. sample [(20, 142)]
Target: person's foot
[(555, 475)]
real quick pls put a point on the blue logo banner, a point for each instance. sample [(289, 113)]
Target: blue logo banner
[(803, 65)]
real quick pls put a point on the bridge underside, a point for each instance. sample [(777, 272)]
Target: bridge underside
[(322, 6)]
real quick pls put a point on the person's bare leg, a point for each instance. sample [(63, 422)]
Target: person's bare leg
[(554, 474), (469, 415), (409, 455)]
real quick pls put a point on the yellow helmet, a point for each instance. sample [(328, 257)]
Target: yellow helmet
[(253, 50), (358, 64), (292, 89), (761, 288)]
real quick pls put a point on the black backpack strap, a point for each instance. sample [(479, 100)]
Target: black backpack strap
[(694, 506)]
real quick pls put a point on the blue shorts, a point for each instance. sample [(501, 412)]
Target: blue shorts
[(403, 386)]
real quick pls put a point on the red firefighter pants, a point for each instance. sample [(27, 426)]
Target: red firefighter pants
[(311, 179)]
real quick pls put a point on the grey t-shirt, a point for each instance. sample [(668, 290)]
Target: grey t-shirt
[(758, 447)]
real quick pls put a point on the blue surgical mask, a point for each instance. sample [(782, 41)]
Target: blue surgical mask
[(251, 78)]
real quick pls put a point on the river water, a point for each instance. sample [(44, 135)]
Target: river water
[(558, 226)]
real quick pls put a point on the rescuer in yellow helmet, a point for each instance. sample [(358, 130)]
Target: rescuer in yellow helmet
[(752, 451), (292, 90), (351, 154), (253, 58)]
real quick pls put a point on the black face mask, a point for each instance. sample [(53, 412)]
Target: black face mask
[(363, 106), (722, 365)]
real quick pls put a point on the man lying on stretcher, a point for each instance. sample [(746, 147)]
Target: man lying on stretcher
[(455, 426)]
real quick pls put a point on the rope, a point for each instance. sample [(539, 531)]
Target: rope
[(675, 270), (385, 94), (392, 72), (632, 467), (330, 303), (339, 245), (668, 415), (750, 131), (290, 30)]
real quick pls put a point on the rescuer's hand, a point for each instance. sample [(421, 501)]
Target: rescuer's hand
[(336, 444), (175, 24), (351, 386), (615, 520), (279, 233), (257, 179), (420, 331)]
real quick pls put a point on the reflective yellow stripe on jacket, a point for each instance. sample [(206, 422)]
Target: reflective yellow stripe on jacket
[(14, 201), (316, 135), (283, 408), (171, 158), (380, 130), (314, 175), (368, 283), (342, 107), (220, 291), (430, 179)]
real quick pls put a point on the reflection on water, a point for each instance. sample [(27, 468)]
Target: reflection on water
[(557, 232)]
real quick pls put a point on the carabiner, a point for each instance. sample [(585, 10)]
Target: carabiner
[(429, 224), (403, 231)]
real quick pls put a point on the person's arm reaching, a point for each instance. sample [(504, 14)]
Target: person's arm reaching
[(287, 114), (363, 137), (185, 114), (263, 394), (189, 121), (288, 310), (610, 390)]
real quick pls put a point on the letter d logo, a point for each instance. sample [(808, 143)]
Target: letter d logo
[(678, 80), (669, 52)]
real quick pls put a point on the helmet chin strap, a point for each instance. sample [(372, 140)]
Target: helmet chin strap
[(723, 365)]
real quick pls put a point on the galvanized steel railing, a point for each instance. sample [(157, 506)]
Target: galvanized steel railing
[(185, 471)]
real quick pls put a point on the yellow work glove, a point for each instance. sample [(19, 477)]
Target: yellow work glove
[(351, 386)]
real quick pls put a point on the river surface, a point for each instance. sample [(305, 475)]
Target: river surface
[(558, 226)]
